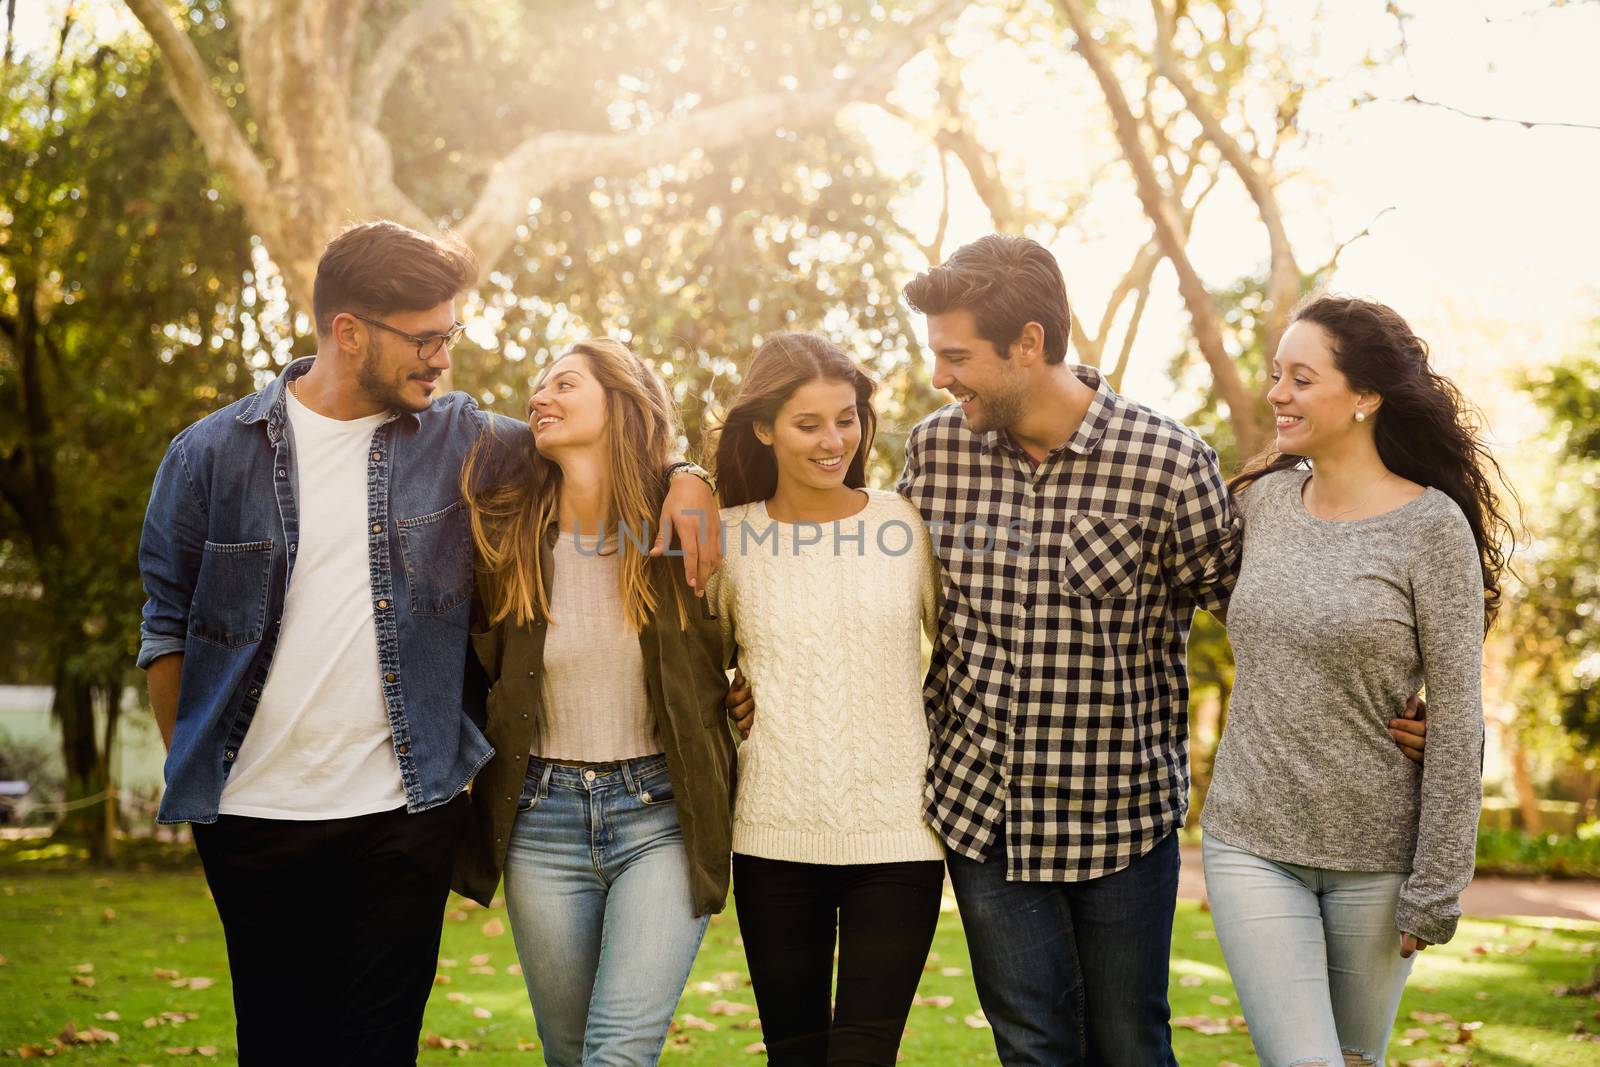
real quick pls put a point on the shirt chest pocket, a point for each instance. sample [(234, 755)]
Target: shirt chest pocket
[(1102, 557), (230, 593), (437, 550)]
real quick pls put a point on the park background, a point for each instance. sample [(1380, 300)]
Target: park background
[(692, 176)]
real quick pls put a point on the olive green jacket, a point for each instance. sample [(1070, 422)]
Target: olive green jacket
[(685, 684)]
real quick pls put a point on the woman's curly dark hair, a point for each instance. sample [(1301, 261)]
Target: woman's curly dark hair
[(1426, 431)]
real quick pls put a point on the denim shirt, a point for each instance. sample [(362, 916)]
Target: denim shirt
[(217, 556)]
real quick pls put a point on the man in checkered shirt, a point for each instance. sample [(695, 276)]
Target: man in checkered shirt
[(1078, 532)]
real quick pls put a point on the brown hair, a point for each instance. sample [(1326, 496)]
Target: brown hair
[(378, 267), (745, 468), (1006, 282), (512, 511), (1425, 430)]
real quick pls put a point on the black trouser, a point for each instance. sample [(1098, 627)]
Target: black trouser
[(332, 929), (885, 914)]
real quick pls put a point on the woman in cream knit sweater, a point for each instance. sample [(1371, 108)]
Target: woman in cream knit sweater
[(824, 592)]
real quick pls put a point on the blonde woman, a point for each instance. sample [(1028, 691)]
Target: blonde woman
[(607, 803)]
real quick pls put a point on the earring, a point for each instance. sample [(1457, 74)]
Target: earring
[(1361, 416)]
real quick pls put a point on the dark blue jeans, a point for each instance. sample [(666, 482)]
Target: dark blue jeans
[(1073, 973)]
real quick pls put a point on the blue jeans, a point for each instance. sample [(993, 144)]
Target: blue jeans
[(1073, 973), (1314, 955), (597, 890)]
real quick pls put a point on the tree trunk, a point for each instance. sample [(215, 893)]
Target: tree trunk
[(73, 707), (1522, 780)]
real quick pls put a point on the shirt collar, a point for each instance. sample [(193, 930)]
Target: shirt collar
[(1093, 427), (271, 404)]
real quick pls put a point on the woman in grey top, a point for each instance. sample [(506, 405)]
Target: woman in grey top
[(1371, 566)]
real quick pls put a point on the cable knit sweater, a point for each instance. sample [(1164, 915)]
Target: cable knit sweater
[(827, 621)]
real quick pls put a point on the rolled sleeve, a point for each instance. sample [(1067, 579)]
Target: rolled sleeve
[(170, 550)]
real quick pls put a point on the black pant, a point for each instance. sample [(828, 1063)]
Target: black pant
[(885, 914), (333, 930)]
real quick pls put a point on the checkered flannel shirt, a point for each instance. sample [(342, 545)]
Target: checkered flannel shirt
[(1057, 695)]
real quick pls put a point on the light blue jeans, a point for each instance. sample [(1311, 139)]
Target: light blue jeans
[(1314, 955), (597, 889)]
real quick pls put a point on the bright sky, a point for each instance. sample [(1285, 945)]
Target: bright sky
[(1489, 246)]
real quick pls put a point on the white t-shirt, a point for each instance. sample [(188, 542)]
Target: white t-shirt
[(319, 746)]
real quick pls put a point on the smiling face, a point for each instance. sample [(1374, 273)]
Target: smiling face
[(992, 389), (1312, 402), (390, 372), (568, 409), (814, 436)]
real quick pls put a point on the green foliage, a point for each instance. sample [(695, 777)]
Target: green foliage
[(1517, 852), (1556, 613)]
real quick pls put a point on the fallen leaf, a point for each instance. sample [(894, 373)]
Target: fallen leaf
[(694, 1022), (82, 968), (480, 970), (1221, 1002), (976, 1021), (479, 960), (108, 1016), (441, 979), (1428, 1018), (515, 968), (1416, 1033), (482, 1013), (951, 972), (1191, 980), (83, 979), (493, 928), (446, 963), (1203, 1024), (458, 998), (728, 1007), (71, 1035), (108, 916), (162, 972), (756, 1048), (193, 983), (934, 1001), (435, 1041)]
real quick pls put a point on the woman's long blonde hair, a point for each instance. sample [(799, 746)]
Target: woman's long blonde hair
[(514, 504)]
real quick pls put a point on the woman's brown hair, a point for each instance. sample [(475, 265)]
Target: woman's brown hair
[(745, 468), (513, 499), (1425, 430)]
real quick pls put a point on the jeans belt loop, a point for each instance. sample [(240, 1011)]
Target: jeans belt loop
[(627, 777), (544, 780)]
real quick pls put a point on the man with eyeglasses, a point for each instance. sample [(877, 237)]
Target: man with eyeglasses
[(308, 564)]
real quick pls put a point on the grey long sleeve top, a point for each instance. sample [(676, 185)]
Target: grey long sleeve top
[(1334, 625)]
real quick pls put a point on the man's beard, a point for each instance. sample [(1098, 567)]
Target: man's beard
[(997, 411), (383, 391)]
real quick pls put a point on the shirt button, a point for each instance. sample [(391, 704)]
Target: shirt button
[(255, 690), (377, 455), (228, 755), (293, 548), (645, 797), (403, 749), (282, 473), (377, 527), (588, 776), (391, 676), (383, 605)]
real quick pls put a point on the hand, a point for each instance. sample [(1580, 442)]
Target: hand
[(1410, 944), (1410, 731), (741, 704), (689, 516)]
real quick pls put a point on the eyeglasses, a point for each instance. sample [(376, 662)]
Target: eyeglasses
[(428, 345)]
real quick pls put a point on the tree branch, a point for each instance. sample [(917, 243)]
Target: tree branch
[(551, 159), (1283, 282), (1164, 215), (389, 59), (1526, 124), (191, 89), (1338, 249)]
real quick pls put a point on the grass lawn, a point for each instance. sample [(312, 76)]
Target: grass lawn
[(138, 952)]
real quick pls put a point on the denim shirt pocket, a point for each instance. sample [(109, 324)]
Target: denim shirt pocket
[(230, 594), (437, 551), (1102, 557)]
